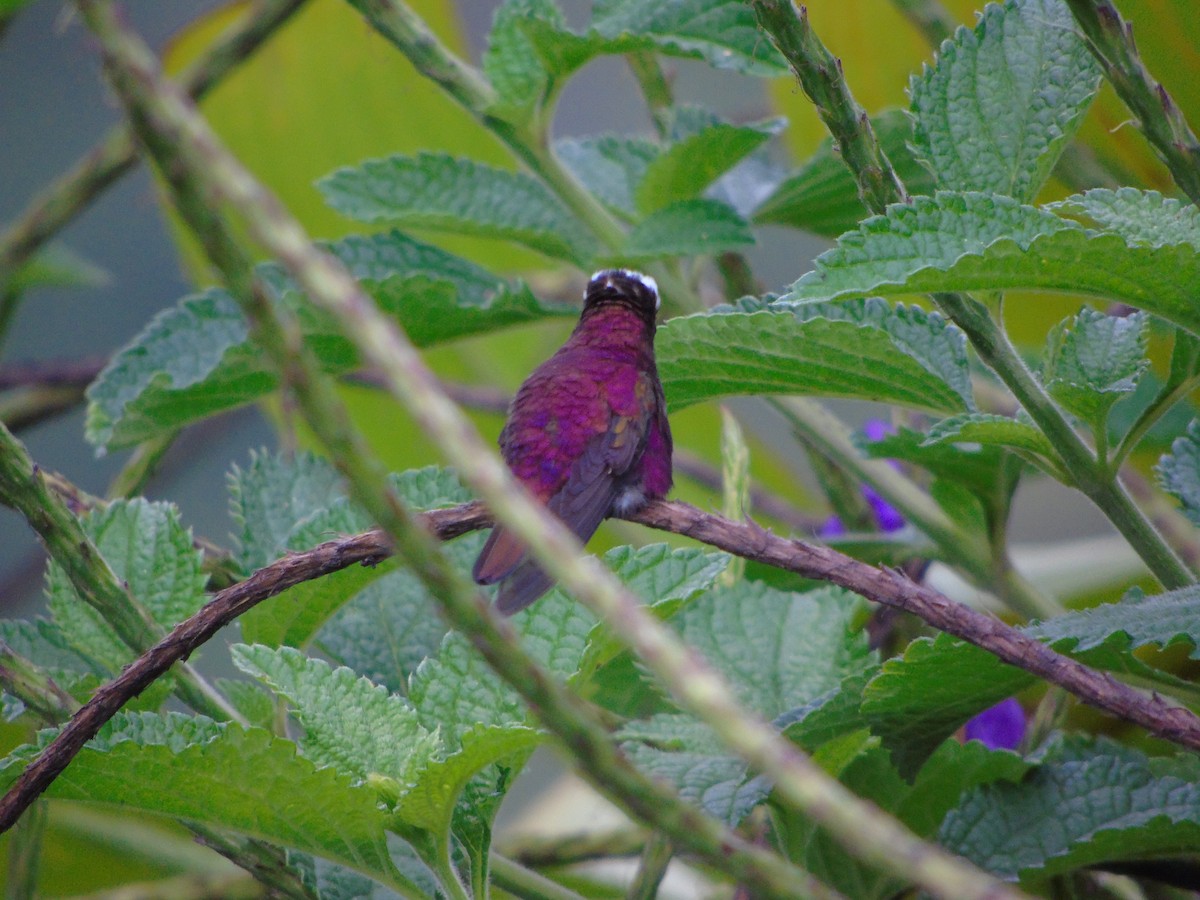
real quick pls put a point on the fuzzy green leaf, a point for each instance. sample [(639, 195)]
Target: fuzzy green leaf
[(149, 551), (196, 359), (710, 355), (1094, 359), (976, 467), (512, 64), (1142, 217), (822, 196), (610, 166), (1003, 100), (964, 242), (1179, 471), (438, 191), (1160, 620), (245, 780), (44, 643), (691, 164), (722, 32), (1087, 804), (990, 430), (687, 228), (349, 723)]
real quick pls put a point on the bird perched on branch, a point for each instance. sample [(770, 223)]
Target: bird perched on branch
[(587, 432)]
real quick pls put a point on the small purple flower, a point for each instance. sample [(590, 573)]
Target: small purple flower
[(887, 517), (1002, 727)]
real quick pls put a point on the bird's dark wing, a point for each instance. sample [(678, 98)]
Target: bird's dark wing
[(581, 504)]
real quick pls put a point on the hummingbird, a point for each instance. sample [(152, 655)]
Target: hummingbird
[(587, 432)]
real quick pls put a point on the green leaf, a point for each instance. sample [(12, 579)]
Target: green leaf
[(245, 780), (512, 64), (1094, 359), (430, 803), (272, 494), (1003, 100), (44, 643), (722, 32), (1179, 471), (920, 698), (965, 242), (691, 164), (349, 723), (151, 553), (778, 650), (979, 468), (1086, 805), (56, 266), (610, 166), (1137, 621), (687, 228), (438, 191), (822, 196), (992, 431), (295, 615), (710, 355), (1141, 217), (196, 359)]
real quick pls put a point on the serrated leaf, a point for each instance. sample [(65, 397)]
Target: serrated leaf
[(822, 196), (964, 242), (609, 165), (687, 754), (705, 356), (294, 616), (196, 359), (1160, 620), (1142, 217), (1179, 471), (44, 642), (438, 191), (687, 228), (1003, 100), (1093, 359), (1087, 804), (349, 723), (663, 577), (227, 777), (151, 553), (430, 803), (688, 166), (511, 63), (978, 468), (272, 494), (722, 32), (990, 430), (778, 650)]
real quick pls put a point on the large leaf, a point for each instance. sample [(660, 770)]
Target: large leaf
[(1142, 217), (349, 723), (822, 196), (435, 190), (971, 241), (227, 777), (1003, 100), (779, 651), (610, 166), (151, 553), (1086, 805), (196, 359), (706, 356), (687, 228)]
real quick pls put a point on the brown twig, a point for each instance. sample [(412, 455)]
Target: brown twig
[(744, 539)]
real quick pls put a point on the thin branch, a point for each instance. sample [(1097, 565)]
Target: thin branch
[(568, 849), (51, 373), (115, 154), (1110, 38), (820, 75)]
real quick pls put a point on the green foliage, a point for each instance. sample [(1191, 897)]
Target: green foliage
[(378, 745)]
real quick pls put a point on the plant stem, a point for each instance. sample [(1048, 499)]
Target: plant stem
[(820, 75), (652, 868), (656, 89), (25, 855), (24, 488), (197, 155), (994, 348), (525, 883), (132, 478), (1110, 38), (115, 154), (1180, 383)]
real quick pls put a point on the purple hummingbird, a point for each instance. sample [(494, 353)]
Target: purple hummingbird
[(587, 432)]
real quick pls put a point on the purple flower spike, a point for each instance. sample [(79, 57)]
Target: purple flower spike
[(887, 517), (1000, 728), (877, 429), (833, 527)]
